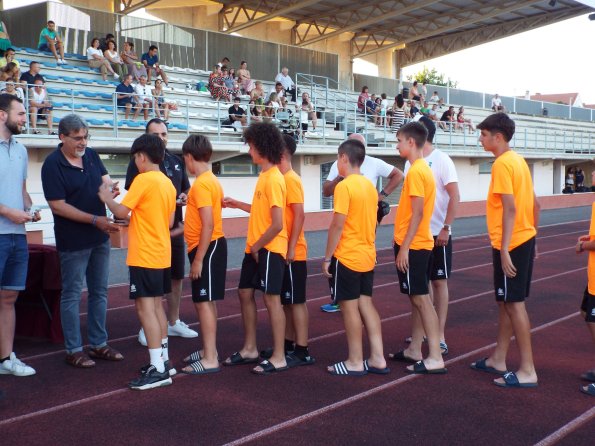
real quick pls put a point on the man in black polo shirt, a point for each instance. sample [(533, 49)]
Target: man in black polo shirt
[(71, 177), (126, 98), (28, 78), (174, 168), (237, 115)]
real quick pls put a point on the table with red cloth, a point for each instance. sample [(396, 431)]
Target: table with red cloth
[(38, 306)]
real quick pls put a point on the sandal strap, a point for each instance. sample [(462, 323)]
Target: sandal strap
[(197, 366)]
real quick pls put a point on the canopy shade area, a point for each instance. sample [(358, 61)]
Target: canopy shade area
[(417, 29)]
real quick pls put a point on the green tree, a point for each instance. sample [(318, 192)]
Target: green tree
[(431, 77)]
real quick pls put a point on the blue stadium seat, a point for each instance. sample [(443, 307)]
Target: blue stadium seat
[(134, 124), (83, 80), (54, 90), (51, 77), (109, 122), (105, 95), (102, 82), (32, 51), (84, 68), (79, 106), (93, 121), (88, 94), (93, 107), (69, 79), (109, 108), (49, 64), (67, 67)]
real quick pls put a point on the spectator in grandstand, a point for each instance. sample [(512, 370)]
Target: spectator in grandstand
[(257, 95), (435, 97), (224, 62), (407, 110), (9, 56), (143, 97), (497, 103), (104, 41), (447, 120), (463, 122), (579, 179), (133, 65), (271, 106), (11, 88), (287, 83), (398, 115), (413, 110), (307, 112), (160, 105), (232, 85), (237, 115), (424, 91), (217, 86), (4, 38), (28, 78), (9, 72), (255, 111), (278, 90), (245, 79), (362, 99), (125, 97), (15, 211), (433, 113), (111, 54), (569, 181), (382, 110), (81, 228), (96, 60), (40, 107), (425, 109), (50, 41), (372, 107), (151, 62), (414, 92)]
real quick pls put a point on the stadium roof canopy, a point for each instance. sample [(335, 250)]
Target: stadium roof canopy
[(420, 29)]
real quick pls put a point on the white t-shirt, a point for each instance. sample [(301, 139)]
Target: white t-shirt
[(444, 173), (371, 168), (93, 51), (143, 92), (496, 102), (285, 81)]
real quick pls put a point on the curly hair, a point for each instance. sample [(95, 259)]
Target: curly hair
[(266, 139)]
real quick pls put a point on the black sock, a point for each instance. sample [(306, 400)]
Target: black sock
[(301, 351), (5, 359), (288, 345)]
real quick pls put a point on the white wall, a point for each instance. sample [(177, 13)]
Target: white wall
[(543, 176)]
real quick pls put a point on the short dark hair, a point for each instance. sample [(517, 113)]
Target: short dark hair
[(355, 151), (278, 83), (51, 21), (153, 121), (400, 101), (237, 98), (6, 101), (225, 58), (290, 145), (153, 47), (93, 40), (9, 49), (416, 131), (109, 36), (71, 123), (267, 140), (198, 147), (498, 123), (150, 145), (430, 127)]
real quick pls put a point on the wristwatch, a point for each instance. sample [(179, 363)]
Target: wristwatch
[(447, 227), (384, 194)]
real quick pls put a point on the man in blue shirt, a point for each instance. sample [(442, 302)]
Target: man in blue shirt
[(15, 205), (125, 97), (151, 62), (71, 176), (50, 41)]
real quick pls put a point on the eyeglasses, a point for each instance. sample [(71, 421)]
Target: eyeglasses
[(80, 138)]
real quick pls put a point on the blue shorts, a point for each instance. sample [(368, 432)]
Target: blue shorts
[(44, 47), (14, 259)]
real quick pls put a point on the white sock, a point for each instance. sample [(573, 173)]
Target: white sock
[(156, 359), (164, 349)]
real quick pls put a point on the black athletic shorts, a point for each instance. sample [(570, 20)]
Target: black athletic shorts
[(348, 284), (441, 261), (293, 290), (178, 257), (588, 306), (415, 281), (517, 288), (211, 285), (149, 282), (266, 275)]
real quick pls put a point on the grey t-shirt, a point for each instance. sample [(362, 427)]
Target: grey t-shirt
[(13, 172)]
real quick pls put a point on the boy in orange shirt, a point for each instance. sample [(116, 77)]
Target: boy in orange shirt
[(413, 245), (207, 250), (152, 202), (266, 248), (512, 217), (587, 243), (349, 261)]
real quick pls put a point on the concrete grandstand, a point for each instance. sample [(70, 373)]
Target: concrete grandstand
[(565, 137)]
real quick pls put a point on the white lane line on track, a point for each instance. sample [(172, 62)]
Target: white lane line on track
[(568, 428)]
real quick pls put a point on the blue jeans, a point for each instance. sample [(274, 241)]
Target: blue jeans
[(14, 256), (92, 263)]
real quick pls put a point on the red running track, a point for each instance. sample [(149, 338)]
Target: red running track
[(63, 405)]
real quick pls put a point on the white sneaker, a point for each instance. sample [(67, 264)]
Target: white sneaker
[(181, 329), (62, 61), (142, 339), (116, 76), (14, 366)]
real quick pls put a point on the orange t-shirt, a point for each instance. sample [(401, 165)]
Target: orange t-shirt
[(152, 199), (419, 182), (270, 192), (295, 195), (206, 191), (357, 198), (591, 267), (511, 175)]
